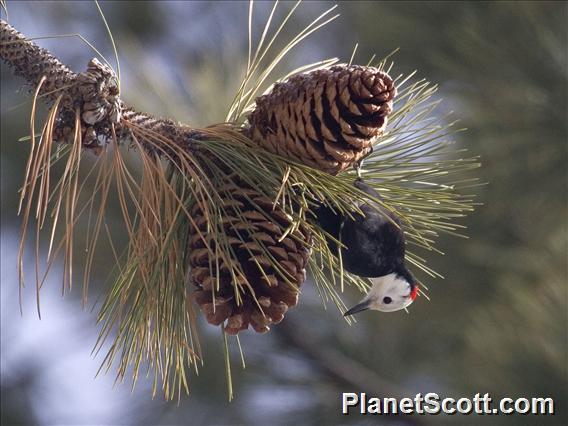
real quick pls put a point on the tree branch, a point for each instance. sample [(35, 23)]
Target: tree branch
[(94, 94), (345, 370)]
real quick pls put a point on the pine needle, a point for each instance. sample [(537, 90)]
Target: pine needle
[(148, 311), (4, 8)]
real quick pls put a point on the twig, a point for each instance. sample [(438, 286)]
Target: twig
[(344, 369), (94, 92)]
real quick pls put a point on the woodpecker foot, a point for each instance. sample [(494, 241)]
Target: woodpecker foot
[(358, 166)]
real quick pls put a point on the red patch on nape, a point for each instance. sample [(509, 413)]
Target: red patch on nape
[(414, 292)]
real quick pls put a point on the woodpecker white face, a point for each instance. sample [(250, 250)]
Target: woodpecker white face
[(389, 293)]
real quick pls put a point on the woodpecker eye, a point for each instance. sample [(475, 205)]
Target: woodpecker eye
[(387, 300)]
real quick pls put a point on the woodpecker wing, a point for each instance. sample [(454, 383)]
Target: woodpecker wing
[(374, 242)]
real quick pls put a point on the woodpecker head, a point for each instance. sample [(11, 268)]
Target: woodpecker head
[(389, 293)]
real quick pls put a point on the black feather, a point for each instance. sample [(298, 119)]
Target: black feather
[(374, 242)]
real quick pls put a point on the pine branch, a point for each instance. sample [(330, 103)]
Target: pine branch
[(32, 62), (227, 208), (94, 93)]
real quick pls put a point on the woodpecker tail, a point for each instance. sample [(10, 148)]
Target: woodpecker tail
[(331, 223)]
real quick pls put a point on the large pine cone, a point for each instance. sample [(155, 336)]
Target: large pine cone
[(327, 118), (253, 229)]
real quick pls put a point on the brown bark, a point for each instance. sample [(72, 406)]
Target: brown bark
[(94, 93)]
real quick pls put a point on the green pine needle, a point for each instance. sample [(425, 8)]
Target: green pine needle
[(420, 171)]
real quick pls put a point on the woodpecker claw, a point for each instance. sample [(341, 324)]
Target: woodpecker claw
[(358, 166)]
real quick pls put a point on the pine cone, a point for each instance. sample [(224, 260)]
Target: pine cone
[(266, 292), (327, 118)]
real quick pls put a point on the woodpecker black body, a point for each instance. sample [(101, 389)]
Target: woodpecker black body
[(374, 247)]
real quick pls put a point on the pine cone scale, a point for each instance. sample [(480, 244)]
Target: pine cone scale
[(269, 272), (327, 118)]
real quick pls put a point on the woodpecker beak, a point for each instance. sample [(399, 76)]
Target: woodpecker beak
[(363, 306)]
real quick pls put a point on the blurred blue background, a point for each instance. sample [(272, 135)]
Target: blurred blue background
[(497, 323)]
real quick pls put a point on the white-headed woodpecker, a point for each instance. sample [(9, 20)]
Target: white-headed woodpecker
[(373, 247)]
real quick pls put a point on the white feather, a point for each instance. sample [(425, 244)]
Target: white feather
[(390, 287)]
